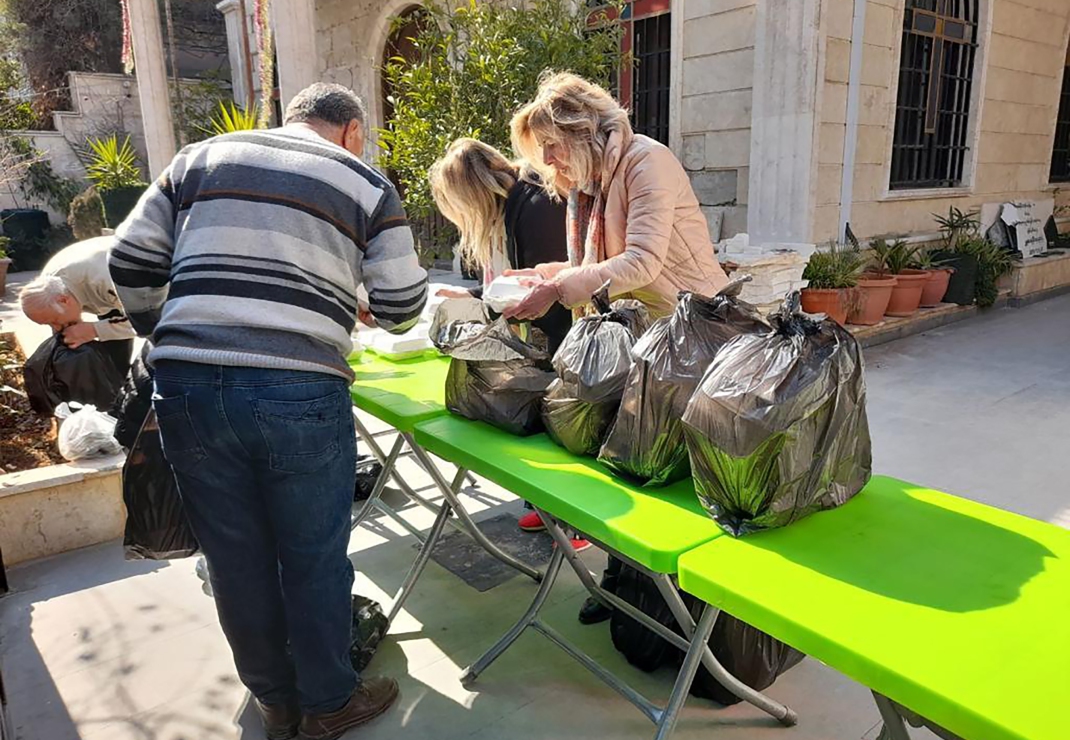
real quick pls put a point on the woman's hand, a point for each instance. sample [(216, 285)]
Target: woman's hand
[(545, 271), (542, 296), (453, 293)]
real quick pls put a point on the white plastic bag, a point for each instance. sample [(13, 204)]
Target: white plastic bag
[(85, 433)]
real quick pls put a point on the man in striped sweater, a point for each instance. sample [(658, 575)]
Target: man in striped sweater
[(242, 262)]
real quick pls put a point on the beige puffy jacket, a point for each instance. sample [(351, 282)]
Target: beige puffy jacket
[(657, 241)]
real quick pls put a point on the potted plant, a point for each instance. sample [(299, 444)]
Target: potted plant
[(113, 169), (959, 228), (231, 118), (939, 276), (894, 259), (5, 263), (833, 275), (993, 262), (872, 294)]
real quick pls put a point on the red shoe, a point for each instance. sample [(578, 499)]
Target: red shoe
[(579, 545), (531, 522)]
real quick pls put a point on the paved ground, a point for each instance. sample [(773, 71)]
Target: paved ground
[(97, 648)]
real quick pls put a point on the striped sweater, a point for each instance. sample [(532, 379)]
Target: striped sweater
[(249, 249)]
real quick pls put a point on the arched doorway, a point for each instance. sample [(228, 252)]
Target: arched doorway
[(433, 233), (399, 43)]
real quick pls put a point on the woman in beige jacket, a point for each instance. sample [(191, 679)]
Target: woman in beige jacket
[(633, 218)]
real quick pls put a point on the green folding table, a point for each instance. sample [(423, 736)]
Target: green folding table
[(955, 611), (402, 393), (648, 528)]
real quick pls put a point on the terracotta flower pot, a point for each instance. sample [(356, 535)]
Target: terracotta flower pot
[(906, 296), (829, 301), (933, 292), (874, 292)]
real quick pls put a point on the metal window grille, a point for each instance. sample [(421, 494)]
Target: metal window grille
[(933, 106), (1060, 151), (650, 91)]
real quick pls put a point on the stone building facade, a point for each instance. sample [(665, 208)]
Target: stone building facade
[(789, 114)]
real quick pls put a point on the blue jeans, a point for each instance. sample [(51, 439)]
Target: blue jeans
[(265, 462)]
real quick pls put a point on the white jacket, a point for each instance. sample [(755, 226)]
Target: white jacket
[(83, 268)]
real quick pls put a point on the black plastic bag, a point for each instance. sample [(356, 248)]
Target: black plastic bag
[(749, 654), (156, 524), (646, 442), (592, 365), (494, 375), (368, 630), (55, 374), (134, 400), (752, 656), (643, 648), (777, 429), (368, 471)]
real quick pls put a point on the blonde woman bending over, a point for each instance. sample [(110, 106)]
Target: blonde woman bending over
[(506, 219), (633, 218)]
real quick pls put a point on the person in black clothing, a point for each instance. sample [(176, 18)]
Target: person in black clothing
[(505, 218)]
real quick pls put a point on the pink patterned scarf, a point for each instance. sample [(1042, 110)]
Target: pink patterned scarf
[(586, 230)]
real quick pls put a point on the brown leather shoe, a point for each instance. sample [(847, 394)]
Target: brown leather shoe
[(370, 699), (280, 720)]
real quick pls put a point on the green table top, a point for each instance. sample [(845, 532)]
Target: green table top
[(956, 610), (400, 392), (651, 526)]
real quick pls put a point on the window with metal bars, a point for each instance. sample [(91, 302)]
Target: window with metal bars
[(932, 111), (1060, 150), (650, 89)]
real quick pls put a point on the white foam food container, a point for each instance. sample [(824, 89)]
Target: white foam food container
[(504, 292), (400, 346)]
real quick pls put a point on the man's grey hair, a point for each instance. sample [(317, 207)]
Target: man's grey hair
[(43, 294), (332, 104)]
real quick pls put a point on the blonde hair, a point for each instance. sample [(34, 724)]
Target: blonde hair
[(579, 114), (470, 184)]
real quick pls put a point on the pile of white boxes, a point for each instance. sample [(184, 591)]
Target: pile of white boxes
[(775, 269)]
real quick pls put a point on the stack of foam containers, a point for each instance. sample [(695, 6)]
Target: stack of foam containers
[(412, 343), (775, 269)]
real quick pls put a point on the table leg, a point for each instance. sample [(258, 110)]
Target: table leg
[(465, 517), (418, 565), (369, 439), (667, 721), (380, 483), (552, 569), (785, 715), (894, 726)]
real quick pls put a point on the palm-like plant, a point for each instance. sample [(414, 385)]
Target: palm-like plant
[(231, 118), (834, 268), (958, 226), (892, 258), (113, 165)]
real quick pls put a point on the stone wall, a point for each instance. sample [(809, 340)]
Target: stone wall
[(350, 38), (1019, 67), (59, 508), (718, 68)]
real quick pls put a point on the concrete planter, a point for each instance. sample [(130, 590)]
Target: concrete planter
[(58, 508)]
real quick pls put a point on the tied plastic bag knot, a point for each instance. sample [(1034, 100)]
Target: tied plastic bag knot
[(789, 320), (592, 365), (646, 442), (777, 429), (85, 433), (494, 376), (56, 373)]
